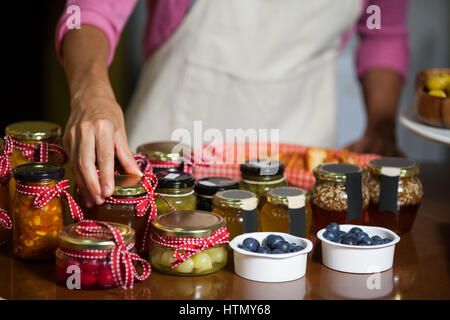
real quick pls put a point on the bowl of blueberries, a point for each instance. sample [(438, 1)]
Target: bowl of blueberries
[(270, 256), (357, 249)]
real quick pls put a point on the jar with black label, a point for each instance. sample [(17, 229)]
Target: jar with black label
[(340, 194), (165, 155), (238, 209), (395, 193), (285, 211), (178, 189), (206, 188)]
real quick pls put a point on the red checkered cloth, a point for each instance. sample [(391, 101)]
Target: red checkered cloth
[(216, 156)]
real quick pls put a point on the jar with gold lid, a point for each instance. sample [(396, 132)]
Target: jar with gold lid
[(164, 155), (285, 211), (207, 187), (238, 209), (188, 243), (340, 194), (395, 193), (84, 258), (177, 188)]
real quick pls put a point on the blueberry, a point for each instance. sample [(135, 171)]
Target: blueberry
[(377, 240), (360, 236), (272, 240), (293, 245), (387, 240), (349, 240), (355, 230), (329, 235), (297, 248), (365, 242), (338, 240), (263, 249), (250, 244), (277, 251), (333, 227), (283, 246), (341, 233)]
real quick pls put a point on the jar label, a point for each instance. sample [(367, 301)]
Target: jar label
[(389, 191), (353, 187), (250, 221), (297, 222)]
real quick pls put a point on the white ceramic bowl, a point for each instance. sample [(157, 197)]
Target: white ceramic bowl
[(270, 267), (359, 259)]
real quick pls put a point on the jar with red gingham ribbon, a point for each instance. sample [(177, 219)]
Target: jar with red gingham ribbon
[(98, 255), (6, 149), (188, 243), (164, 155), (39, 209)]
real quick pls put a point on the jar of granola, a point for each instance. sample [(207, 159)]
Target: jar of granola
[(206, 188), (176, 191), (188, 243), (164, 155), (395, 193), (340, 194)]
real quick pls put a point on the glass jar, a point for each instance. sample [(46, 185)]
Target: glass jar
[(238, 209), (164, 155), (187, 226), (285, 211), (4, 198), (125, 187), (205, 189), (177, 189), (395, 193), (258, 176), (36, 229), (339, 195), (95, 271)]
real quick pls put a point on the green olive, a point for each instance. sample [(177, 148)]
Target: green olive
[(185, 267), (167, 258), (217, 254), (202, 262)]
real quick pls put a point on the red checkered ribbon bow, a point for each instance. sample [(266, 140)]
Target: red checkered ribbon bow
[(122, 260), (145, 202), (5, 220), (190, 246), (44, 194), (29, 150), (5, 160)]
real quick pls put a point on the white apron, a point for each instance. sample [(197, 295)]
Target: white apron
[(260, 64)]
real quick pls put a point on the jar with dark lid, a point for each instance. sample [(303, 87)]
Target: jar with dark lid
[(36, 229), (127, 187), (95, 272), (285, 211), (340, 194), (238, 209), (165, 155), (187, 225), (206, 188), (395, 193), (178, 189)]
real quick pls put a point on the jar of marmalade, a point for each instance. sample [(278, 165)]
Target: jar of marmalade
[(173, 232), (4, 194), (36, 229), (130, 189), (177, 189), (238, 209), (165, 155), (285, 211), (395, 193), (340, 194), (206, 188)]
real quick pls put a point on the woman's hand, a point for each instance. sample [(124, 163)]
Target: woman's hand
[(383, 143)]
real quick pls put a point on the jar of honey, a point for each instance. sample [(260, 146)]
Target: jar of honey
[(165, 155), (340, 194), (238, 209), (206, 188), (285, 211), (177, 188), (395, 193), (38, 213), (188, 243)]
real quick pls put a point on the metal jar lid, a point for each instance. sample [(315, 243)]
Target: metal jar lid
[(33, 130), (128, 185), (163, 150), (187, 223), (210, 185), (262, 168), (336, 172), (404, 166), (290, 197), (238, 199), (38, 171), (71, 239)]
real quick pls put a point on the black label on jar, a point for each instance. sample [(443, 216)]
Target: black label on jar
[(297, 222), (250, 221), (388, 193), (353, 187)]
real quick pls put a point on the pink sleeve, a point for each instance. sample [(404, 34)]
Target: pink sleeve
[(386, 47), (108, 15)]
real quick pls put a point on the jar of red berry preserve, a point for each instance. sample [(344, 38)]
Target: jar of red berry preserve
[(395, 193), (340, 194), (98, 255)]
